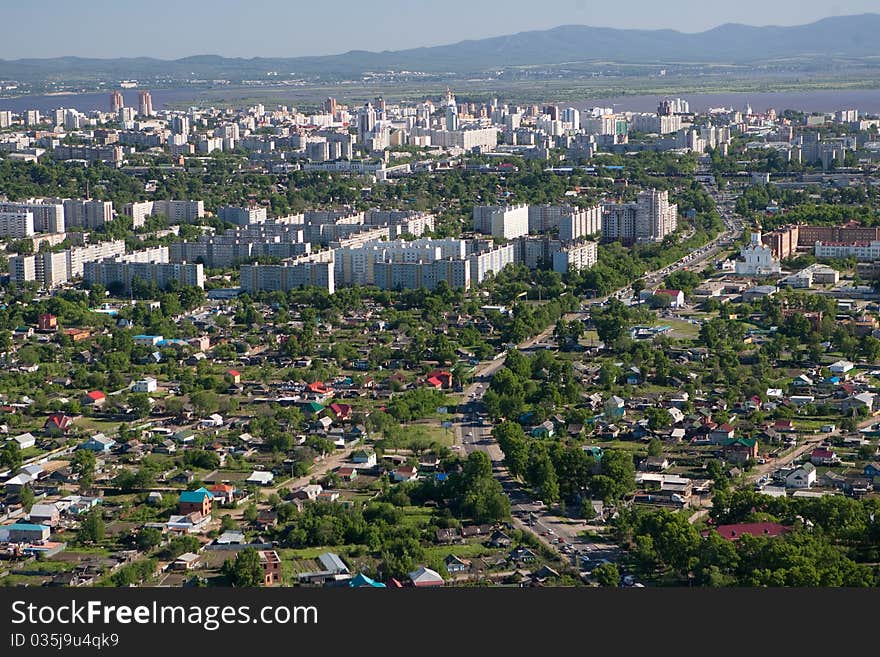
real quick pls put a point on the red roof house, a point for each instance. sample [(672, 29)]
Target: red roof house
[(443, 376), (94, 398), (58, 422), (341, 411)]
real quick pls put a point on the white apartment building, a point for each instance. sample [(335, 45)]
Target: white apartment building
[(48, 217), (176, 211), (508, 222), (861, 251), (493, 260), (577, 256), (16, 225)]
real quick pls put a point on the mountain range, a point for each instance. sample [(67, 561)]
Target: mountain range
[(840, 37)]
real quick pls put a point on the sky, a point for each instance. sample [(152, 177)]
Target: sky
[(292, 28)]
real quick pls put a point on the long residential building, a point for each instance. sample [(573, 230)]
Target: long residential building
[(428, 275), (120, 272), (242, 216), (86, 213), (175, 211), (311, 271), (48, 217), (355, 265), (51, 269), (650, 219), (861, 251)]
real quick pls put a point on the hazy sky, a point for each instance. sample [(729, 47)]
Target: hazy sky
[(289, 28)]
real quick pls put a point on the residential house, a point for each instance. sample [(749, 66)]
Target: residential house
[(424, 577), (270, 562), (720, 434), (865, 400), (522, 554), (740, 450), (146, 385), (347, 473), (841, 367), (260, 478), (822, 456), (544, 430), (802, 477), (98, 443), (676, 297), (364, 458), (340, 412), (58, 423), (186, 561), (94, 398), (455, 565), (44, 514), (615, 407), (24, 440), (872, 470), (499, 539), (200, 500), (223, 493), (404, 473)]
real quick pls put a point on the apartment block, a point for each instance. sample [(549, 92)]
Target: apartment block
[(16, 225), (289, 276), (48, 217), (577, 256), (242, 216), (119, 272), (650, 219)]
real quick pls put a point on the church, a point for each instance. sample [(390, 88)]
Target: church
[(756, 258)]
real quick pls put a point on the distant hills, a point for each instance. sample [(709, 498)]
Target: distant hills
[(839, 37)]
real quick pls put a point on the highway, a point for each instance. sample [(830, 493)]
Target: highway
[(471, 434)]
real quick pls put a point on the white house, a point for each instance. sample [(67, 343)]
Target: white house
[(802, 477), (260, 478), (146, 385), (841, 367), (213, 420), (24, 440)]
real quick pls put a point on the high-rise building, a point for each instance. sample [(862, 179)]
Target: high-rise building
[(5, 119), (116, 102), (650, 219), (145, 103), (329, 106), (180, 124), (366, 122), (47, 217), (32, 117), (16, 224), (572, 117), (575, 256)]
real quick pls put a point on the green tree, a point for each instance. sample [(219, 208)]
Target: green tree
[(83, 464), (606, 574), (26, 497), (92, 527), (148, 538), (10, 456), (245, 570)]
